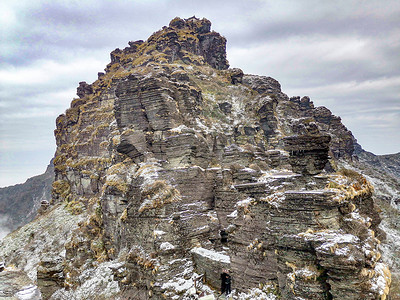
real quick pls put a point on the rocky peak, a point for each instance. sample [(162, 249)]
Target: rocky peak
[(194, 24), (84, 89), (189, 40)]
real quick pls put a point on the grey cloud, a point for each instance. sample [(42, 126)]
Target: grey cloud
[(302, 63), (263, 30), (53, 28)]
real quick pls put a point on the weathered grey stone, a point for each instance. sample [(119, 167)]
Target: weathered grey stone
[(15, 285), (84, 89), (262, 84), (308, 153), (50, 276)]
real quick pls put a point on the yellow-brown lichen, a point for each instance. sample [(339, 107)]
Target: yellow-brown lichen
[(350, 185), (61, 188), (158, 194)]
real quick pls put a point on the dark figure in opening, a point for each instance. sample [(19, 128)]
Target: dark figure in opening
[(224, 236), (226, 282)]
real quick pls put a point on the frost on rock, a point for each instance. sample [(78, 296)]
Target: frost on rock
[(307, 273), (391, 247), (275, 199), (331, 237), (148, 172), (178, 285), (51, 233), (97, 282), (182, 282), (155, 192), (181, 288), (257, 294), (381, 281), (333, 243)]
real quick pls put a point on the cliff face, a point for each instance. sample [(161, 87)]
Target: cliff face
[(383, 172), (171, 166)]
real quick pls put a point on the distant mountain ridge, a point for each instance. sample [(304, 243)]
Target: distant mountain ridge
[(390, 163), (19, 203)]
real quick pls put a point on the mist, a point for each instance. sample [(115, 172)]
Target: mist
[(4, 230)]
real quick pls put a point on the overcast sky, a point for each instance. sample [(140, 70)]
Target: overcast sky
[(343, 54)]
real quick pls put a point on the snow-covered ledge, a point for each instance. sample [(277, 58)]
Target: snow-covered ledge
[(210, 263)]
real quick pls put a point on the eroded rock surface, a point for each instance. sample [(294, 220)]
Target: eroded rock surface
[(177, 167), (15, 285)]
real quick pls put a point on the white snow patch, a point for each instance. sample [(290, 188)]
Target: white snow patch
[(158, 232), (306, 273), (382, 188), (50, 233), (343, 251), (113, 124), (330, 244), (332, 236), (148, 171), (249, 170), (355, 215), (213, 216), (391, 245), (180, 129), (207, 297), (166, 246), (204, 228), (380, 283), (234, 214), (245, 202), (203, 127), (112, 177), (332, 240), (30, 292), (274, 174), (213, 255)]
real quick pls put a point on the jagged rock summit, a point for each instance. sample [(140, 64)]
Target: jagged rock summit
[(189, 40), (172, 167)]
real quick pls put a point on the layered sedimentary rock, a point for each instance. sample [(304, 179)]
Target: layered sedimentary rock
[(178, 167), (14, 284)]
